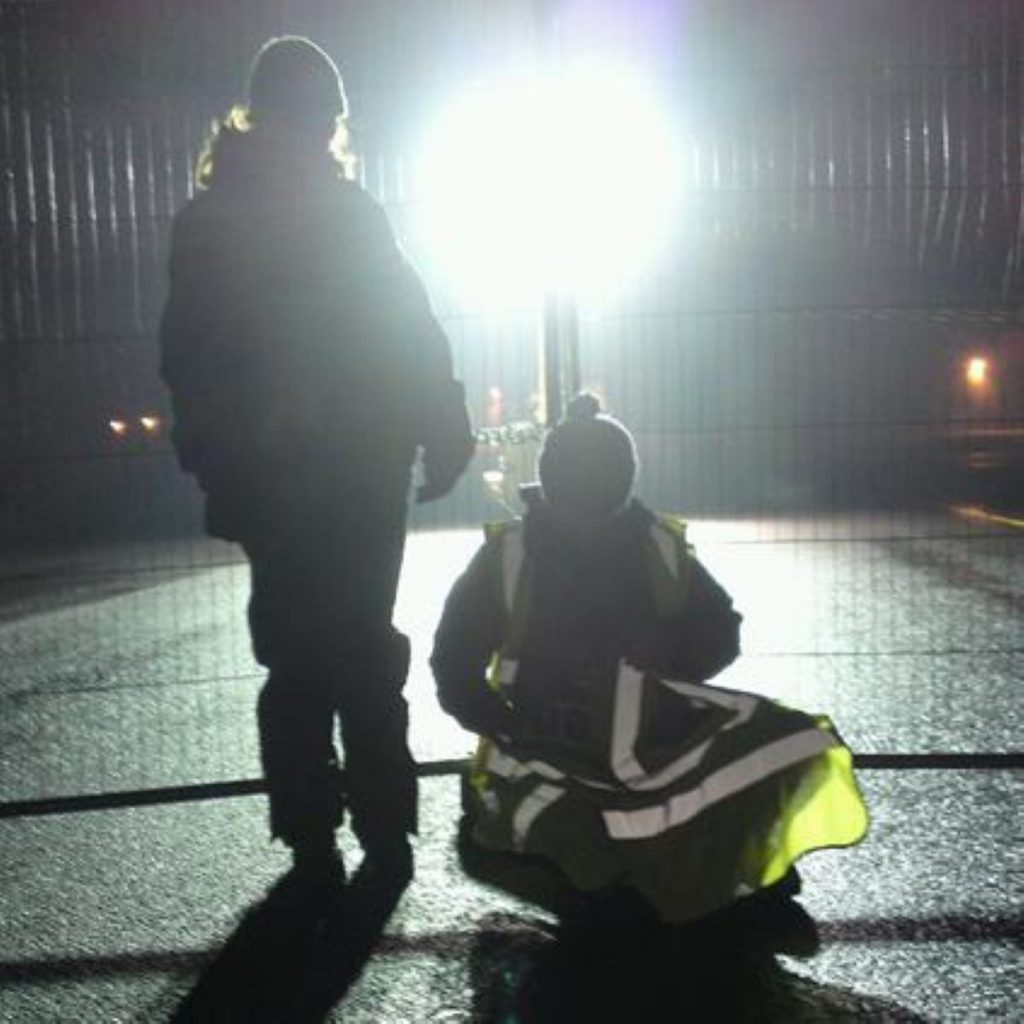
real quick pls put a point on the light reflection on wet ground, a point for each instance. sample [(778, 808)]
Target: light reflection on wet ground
[(114, 915), (134, 669)]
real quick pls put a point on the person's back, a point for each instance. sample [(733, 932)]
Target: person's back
[(297, 339), (589, 603)]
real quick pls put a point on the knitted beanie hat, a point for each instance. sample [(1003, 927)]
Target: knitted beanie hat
[(291, 77), (588, 462)]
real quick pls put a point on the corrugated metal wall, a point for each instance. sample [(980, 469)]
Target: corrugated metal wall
[(853, 229), (853, 171)]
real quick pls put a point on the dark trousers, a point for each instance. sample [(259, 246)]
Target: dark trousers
[(320, 618)]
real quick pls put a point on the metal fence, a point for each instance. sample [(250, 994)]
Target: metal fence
[(853, 235)]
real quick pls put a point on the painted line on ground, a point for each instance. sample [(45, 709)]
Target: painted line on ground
[(1010, 760), (976, 512)]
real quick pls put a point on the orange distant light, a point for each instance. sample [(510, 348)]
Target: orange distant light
[(118, 427), (150, 424), (977, 371)]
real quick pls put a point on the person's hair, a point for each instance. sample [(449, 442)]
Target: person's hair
[(236, 141)]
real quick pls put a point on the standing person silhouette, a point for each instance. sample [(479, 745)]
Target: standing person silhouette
[(306, 370)]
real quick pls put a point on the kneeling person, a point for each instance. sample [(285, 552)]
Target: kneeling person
[(578, 644)]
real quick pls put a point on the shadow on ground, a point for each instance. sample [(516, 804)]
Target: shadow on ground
[(289, 959), (522, 972)]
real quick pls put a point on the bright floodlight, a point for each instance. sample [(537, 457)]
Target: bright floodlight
[(536, 184)]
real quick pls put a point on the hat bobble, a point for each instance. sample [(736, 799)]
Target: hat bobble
[(585, 406)]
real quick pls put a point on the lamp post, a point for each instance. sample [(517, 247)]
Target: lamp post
[(560, 352), (559, 340), (549, 183)]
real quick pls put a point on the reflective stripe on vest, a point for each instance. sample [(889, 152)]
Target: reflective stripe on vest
[(512, 556), (669, 558), (629, 689), (669, 555), (648, 822), (498, 762), (512, 768), (503, 669), (669, 565), (653, 820), (539, 799), (530, 807), (667, 547)]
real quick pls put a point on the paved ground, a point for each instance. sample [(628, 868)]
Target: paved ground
[(907, 631), (115, 916), (128, 667)]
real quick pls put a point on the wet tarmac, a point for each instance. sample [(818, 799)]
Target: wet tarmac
[(127, 915), (129, 667)]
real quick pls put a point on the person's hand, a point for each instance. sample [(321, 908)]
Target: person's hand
[(435, 485), (443, 464), (448, 444)]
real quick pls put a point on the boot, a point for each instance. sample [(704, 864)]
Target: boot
[(388, 866)]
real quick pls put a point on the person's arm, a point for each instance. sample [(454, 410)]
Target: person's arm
[(445, 432), (469, 633), (187, 323), (441, 422), (703, 638)]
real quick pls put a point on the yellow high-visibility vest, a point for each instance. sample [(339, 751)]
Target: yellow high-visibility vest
[(759, 787)]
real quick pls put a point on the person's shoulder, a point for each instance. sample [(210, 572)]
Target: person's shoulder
[(640, 517), (353, 192), (640, 520), (193, 209), (194, 228), (665, 530), (354, 199), (203, 207), (670, 521), (363, 217)]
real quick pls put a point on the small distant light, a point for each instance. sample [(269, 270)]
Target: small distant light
[(493, 477), (118, 427), (150, 424), (977, 371), (495, 411)]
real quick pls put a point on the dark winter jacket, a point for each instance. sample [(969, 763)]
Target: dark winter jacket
[(591, 604), (299, 347)]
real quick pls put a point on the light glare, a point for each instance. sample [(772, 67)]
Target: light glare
[(977, 371), (539, 184)]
